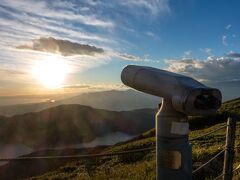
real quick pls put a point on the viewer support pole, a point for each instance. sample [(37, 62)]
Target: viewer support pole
[(174, 160)]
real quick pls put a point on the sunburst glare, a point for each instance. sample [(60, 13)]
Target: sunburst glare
[(51, 72)]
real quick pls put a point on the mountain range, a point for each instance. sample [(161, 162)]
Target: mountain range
[(66, 125), (111, 100)]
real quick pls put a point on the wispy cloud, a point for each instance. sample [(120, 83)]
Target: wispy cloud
[(34, 25), (76, 86), (228, 26), (134, 58), (43, 10), (150, 34), (187, 54), (208, 51), (155, 7), (13, 77), (224, 40), (128, 57), (95, 87)]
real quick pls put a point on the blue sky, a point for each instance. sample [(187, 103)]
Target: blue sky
[(199, 38)]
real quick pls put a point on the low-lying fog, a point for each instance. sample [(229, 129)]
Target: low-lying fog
[(16, 150)]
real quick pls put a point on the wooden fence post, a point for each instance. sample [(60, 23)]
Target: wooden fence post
[(229, 152)]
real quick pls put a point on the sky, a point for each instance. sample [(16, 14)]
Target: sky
[(82, 45)]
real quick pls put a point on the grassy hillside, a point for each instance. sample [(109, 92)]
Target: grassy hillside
[(231, 108), (141, 165)]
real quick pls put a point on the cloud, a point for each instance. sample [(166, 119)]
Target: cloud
[(93, 2), (23, 26), (224, 40), (213, 69), (12, 75), (155, 7), (128, 57), (187, 54), (68, 48), (11, 72), (96, 87), (44, 9), (150, 34), (64, 47), (207, 51), (228, 26), (233, 55), (76, 86)]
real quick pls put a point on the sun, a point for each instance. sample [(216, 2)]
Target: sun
[(51, 72)]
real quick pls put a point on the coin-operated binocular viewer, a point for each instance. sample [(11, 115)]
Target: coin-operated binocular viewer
[(182, 97)]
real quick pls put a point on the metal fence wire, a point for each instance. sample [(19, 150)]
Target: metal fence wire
[(85, 156), (228, 151)]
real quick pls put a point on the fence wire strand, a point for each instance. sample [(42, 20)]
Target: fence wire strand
[(237, 168), (218, 177), (206, 134), (213, 158), (221, 175), (76, 156)]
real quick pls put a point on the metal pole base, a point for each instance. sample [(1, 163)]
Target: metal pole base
[(174, 160)]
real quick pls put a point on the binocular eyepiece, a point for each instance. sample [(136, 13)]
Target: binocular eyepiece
[(206, 101)]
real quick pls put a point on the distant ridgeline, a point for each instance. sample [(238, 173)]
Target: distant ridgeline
[(110, 100)]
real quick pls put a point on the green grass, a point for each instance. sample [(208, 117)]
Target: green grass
[(141, 166)]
